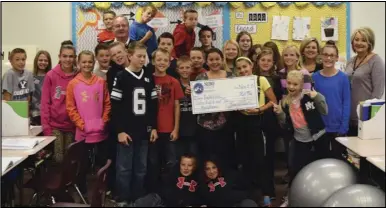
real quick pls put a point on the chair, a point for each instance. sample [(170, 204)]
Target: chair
[(56, 181), (98, 192)]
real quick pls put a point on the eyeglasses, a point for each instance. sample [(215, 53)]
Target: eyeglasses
[(326, 56)]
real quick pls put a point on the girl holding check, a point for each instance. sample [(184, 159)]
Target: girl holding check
[(250, 137)]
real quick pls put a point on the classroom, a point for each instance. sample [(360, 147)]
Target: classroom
[(203, 104)]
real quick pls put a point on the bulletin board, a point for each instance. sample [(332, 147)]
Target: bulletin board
[(222, 17), (86, 24), (264, 29)]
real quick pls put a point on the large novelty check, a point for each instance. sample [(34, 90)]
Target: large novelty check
[(220, 95)]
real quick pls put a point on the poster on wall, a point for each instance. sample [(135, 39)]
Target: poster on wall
[(301, 28), (88, 23), (329, 27), (280, 25)]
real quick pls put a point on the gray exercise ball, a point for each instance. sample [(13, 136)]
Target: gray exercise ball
[(319, 180), (358, 195)]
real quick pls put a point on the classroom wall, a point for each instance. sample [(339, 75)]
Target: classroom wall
[(46, 24), (370, 14), (42, 25)]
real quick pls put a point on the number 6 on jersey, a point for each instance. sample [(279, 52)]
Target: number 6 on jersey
[(139, 101)]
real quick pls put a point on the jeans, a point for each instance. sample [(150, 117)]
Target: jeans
[(162, 155), (131, 167)]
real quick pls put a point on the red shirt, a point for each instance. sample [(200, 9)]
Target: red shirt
[(105, 36), (194, 74), (168, 90), (183, 41)]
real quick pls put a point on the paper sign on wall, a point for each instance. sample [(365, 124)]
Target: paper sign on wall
[(301, 28), (280, 25), (159, 22), (329, 27), (213, 21), (239, 15), (257, 17), (249, 28)]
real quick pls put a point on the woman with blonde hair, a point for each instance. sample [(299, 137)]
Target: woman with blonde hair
[(366, 71), (231, 52), (310, 50)]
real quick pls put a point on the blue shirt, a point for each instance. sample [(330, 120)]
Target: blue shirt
[(336, 90), (138, 31)]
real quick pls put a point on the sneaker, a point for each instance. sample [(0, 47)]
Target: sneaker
[(122, 204), (284, 198), (267, 201), (285, 201), (285, 204)]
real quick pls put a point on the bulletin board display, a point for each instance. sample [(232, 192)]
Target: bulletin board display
[(262, 31), (86, 24)]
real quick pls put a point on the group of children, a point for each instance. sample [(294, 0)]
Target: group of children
[(141, 116)]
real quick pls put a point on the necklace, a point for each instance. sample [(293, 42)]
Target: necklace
[(356, 66)]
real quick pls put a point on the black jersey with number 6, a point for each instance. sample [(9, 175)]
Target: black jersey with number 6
[(134, 102)]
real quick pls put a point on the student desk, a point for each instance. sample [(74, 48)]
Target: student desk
[(377, 161), (366, 149), (35, 130), (47, 140), (15, 163), (25, 154), (376, 167)]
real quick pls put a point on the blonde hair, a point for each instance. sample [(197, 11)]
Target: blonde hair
[(367, 34), (293, 47), (154, 10), (159, 50), (303, 46), (225, 57), (182, 60), (297, 75), (244, 58), (265, 51), (86, 53)]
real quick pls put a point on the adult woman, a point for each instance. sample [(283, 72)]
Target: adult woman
[(310, 50), (366, 71)]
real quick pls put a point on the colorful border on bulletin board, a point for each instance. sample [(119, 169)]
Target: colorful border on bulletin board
[(88, 23), (344, 43)]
